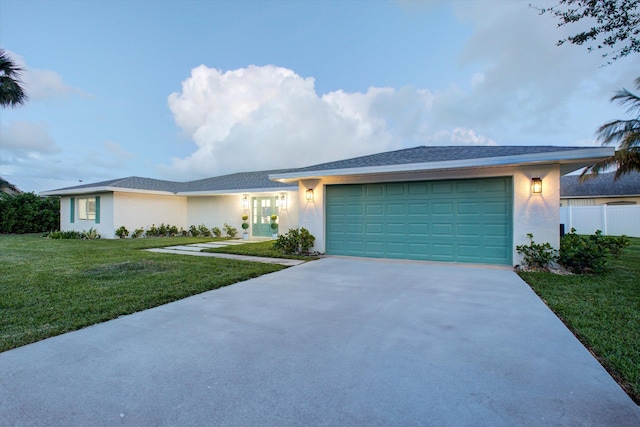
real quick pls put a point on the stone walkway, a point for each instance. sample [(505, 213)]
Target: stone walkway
[(196, 250)]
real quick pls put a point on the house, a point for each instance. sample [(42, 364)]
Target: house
[(613, 207), (8, 188), (601, 190), (458, 204)]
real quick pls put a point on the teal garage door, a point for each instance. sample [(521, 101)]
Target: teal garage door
[(467, 220)]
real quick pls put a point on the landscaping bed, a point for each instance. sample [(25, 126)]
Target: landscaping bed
[(262, 249)]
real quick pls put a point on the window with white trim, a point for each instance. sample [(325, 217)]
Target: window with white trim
[(87, 208)]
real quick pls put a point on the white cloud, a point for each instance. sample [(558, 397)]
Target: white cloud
[(459, 136), (269, 117), (27, 138), (40, 84)]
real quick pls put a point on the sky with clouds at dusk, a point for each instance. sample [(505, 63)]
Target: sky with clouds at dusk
[(183, 90)]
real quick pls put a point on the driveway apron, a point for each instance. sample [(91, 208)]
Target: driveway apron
[(336, 341)]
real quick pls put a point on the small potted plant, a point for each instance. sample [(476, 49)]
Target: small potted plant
[(274, 227), (245, 226)]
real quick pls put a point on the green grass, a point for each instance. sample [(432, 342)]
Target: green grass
[(48, 287), (603, 311), (263, 249)]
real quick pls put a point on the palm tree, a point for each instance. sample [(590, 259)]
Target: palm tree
[(11, 92), (626, 159)]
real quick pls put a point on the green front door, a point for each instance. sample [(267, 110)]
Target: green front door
[(263, 208), (465, 220)]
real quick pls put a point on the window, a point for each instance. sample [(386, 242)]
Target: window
[(87, 208)]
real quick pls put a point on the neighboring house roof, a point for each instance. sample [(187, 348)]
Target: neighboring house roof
[(601, 186), (7, 187), (451, 157), (25, 184)]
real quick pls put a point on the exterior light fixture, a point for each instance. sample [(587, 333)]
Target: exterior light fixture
[(244, 202), (536, 185), (309, 195), (281, 201)]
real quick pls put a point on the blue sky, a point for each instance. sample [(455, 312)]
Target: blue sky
[(189, 89)]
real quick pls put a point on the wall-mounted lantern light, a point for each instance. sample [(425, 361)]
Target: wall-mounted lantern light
[(244, 201), (281, 201), (309, 194), (536, 185)]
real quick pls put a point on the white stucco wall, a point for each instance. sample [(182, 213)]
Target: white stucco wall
[(105, 227), (140, 210), (538, 214), (215, 211)]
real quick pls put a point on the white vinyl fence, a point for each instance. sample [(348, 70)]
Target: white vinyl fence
[(611, 220)]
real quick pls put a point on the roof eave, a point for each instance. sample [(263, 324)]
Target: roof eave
[(238, 191), (571, 160), (102, 189)]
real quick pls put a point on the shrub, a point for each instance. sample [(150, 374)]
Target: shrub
[(163, 230), (64, 235), (137, 233), (91, 234), (28, 213), (194, 231), (173, 230), (183, 232), (229, 230), (584, 254), (122, 232), (153, 231), (216, 231), (204, 230), (295, 241), (616, 244), (537, 255)]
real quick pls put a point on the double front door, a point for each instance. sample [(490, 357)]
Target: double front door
[(263, 208)]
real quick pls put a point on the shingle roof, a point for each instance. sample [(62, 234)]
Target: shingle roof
[(231, 182), (260, 179), (425, 154), (235, 181), (132, 182), (603, 185)]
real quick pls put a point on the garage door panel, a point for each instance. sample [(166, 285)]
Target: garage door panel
[(455, 220), (418, 208), (395, 189), (375, 209), (417, 188), (467, 186), (397, 229), (496, 230), (374, 228), (373, 190), (468, 230), (396, 209), (439, 208), (439, 229), (442, 187), (418, 229)]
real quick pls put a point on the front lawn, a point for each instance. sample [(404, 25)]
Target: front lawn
[(603, 311), (263, 249), (48, 287)]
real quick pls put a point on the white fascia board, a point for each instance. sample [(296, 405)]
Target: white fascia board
[(568, 156), (601, 196), (107, 189), (236, 192)]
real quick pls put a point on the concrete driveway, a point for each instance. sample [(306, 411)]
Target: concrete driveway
[(331, 342)]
